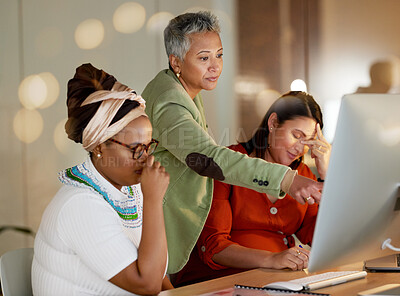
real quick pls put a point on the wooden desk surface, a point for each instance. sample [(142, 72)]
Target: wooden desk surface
[(260, 277)]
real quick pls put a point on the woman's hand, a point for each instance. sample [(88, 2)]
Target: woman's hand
[(320, 151), (305, 190), (294, 258), (155, 179)]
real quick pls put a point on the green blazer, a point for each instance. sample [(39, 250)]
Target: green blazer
[(193, 160)]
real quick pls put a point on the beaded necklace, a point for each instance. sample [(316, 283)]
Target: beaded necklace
[(81, 176)]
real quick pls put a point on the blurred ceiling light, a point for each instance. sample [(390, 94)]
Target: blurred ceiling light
[(249, 86), (61, 139), (38, 91), (49, 42), (89, 34), (28, 125), (298, 85), (53, 89), (331, 113), (264, 100), (65, 145), (129, 17), (32, 92), (158, 22)]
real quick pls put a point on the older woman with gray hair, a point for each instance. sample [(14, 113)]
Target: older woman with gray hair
[(189, 154)]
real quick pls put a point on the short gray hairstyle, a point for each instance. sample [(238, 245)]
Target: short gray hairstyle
[(176, 34)]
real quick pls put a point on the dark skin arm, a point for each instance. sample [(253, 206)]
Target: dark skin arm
[(145, 276)]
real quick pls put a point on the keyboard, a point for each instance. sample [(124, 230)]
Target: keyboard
[(318, 281)]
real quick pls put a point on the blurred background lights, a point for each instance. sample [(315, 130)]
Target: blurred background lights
[(32, 92), (28, 125), (89, 34), (158, 22), (38, 91), (53, 89), (129, 17), (298, 85)]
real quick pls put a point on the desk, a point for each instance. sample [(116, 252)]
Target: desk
[(260, 277)]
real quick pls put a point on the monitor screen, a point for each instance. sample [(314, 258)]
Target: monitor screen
[(359, 207)]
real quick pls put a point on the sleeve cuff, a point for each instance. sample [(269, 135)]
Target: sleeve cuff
[(287, 181)]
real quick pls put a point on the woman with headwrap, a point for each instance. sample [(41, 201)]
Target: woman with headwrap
[(103, 233)]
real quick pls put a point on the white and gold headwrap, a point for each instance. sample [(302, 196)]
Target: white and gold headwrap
[(99, 129)]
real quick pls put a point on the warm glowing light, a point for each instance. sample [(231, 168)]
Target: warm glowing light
[(158, 22), (129, 17), (298, 85), (331, 113), (65, 145), (38, 91), (249, 86), (264, 100), (28, 125), (53, 89), (32, 92), (89, 34), (49, 42)]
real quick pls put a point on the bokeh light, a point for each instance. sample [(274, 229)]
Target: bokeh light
[(89, 34), (53, 89), (38, 91), (64, 145), (158, 22), (32, 92), (61, 139), (49, 42), (129, 17), (298, 85), (28, 125)]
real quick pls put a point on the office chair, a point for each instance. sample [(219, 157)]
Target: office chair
[(15, 272)]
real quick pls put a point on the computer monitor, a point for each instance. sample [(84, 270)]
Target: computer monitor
[(360, 201)]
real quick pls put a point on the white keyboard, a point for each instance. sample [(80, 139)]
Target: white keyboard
[(317, 281)]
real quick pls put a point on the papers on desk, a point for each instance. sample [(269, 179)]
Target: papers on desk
[(240, 290)]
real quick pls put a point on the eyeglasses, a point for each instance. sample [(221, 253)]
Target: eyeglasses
[(139, 149)]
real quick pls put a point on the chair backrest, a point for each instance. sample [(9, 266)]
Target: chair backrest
[(15, 272)]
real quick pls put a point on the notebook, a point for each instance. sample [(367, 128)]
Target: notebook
[(386, 263)]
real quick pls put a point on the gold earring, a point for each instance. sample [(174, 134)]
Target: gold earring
[(178, 74)]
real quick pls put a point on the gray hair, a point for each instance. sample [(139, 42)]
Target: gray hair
[(176, 34)]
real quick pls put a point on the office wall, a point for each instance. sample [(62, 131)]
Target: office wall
[(39, 38), (330, 44), (353, 38)]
